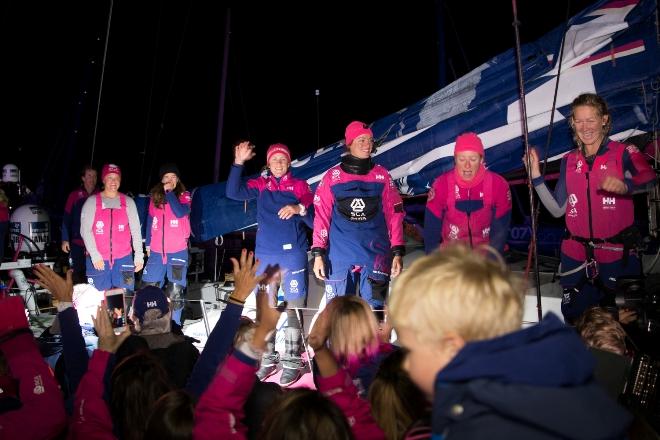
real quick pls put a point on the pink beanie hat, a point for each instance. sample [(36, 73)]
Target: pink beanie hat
[(278, 148), (355, 129), (110, 168), (469, 142)]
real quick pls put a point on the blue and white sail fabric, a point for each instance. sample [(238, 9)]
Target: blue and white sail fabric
[(611, 49)]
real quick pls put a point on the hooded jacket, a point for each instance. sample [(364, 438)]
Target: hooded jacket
[(535, 383)]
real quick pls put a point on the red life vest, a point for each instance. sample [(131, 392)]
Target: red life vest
[(592, 212)]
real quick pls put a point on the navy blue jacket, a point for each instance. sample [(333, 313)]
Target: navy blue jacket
[(275, 236), (535, 383)]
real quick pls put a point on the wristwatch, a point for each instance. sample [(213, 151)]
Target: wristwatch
[(303, 210)]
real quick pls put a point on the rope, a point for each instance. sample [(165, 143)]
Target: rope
[(98, 101), (523, 118), (161, 125), (151, 101)]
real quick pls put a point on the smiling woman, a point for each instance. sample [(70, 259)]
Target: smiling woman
[(594, 191), (282, 213), (110, 228)]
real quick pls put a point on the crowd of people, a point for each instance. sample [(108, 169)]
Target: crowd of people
[(461, 366)]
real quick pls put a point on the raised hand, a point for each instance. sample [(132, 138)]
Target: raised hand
[(534, 157), (268, 317), (108, 341), (243, 152), (60, 288), (318, 335), (245, 275)]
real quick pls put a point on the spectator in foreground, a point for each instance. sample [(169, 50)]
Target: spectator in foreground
[(458, 314)]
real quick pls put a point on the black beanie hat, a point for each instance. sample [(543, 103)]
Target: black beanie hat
[(168, 168)]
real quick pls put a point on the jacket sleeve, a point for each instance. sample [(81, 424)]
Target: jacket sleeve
[(73, 347), (642, 177), (86, 223), (394, 213), (499, 228), (91, 416), (341, 390), (180, 205), (220, 409), (136, 230), (42, 415), (66, 217), (150, 222), (555, 202), (236, 189), (216, 349), (436, 204), (324, 202)]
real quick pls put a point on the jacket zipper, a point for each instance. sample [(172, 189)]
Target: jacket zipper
[(111, 222), (162, 232), (591, 229), (468, 222)]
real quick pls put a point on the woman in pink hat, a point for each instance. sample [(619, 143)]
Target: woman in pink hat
[(110, 228), (283, 215), (469, 203), (358, 223)]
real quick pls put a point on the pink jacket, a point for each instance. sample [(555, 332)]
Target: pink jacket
[(343, 392), (220, 409), (91, 416), (492, 193), (42, 415)]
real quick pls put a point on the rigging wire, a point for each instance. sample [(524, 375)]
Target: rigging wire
[(236, 93), (550, 127), (151, 100), (221, 106), (161, 125), (523, 120), (98, 101), (458, 38)]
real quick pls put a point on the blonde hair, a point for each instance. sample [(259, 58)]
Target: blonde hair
[(460, 290), (598, 329), (599, 104), (353, 329)]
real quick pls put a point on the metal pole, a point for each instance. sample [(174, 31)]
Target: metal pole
[(206, 318), (221, 110), (523, 119)]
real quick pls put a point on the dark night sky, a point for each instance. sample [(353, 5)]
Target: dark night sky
[(162, 77)]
